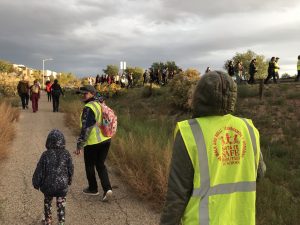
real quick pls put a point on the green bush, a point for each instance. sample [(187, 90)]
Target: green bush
[(182, 87)]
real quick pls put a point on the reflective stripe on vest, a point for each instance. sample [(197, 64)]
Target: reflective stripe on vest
[(205, 190), (298, 65)]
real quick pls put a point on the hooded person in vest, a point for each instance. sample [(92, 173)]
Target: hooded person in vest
[(93, 143), (215, 162)]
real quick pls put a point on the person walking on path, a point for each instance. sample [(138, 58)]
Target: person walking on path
[(230, 68), (23, 91), (215, 161), (298, 69), (35, 95), (252, 71), (239, 71), (276, 70), (53, 175), (48, 90), (93, 143), (56, 92), (271, 71)]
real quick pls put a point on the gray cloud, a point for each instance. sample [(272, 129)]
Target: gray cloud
[(84, 36)]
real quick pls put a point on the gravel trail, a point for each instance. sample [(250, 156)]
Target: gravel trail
[(21, 204)]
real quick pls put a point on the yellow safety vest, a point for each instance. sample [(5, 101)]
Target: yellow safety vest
[(298, 65), (96, 135), (276, 67), (224, 151)]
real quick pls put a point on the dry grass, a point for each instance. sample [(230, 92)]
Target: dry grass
[(8, 115)]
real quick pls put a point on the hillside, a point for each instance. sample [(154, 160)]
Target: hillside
[(276, 116)]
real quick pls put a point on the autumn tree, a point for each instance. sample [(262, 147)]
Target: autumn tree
[(111, 70), (245, 58)]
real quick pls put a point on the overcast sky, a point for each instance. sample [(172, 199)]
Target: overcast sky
[(84, 36)]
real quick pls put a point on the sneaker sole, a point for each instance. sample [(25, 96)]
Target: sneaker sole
[(90, 193), (108, 196)]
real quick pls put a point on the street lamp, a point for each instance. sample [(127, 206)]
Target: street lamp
[(44, 60)]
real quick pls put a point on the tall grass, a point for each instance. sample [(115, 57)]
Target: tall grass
[(141, 152), (7, 130)]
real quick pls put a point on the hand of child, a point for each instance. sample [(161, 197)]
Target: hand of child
[(78, 151)]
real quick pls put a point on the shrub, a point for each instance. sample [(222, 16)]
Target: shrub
[(182, 87), (109, 90)]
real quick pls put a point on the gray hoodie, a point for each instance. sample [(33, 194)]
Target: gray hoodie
[(215, 94), (54, 170)]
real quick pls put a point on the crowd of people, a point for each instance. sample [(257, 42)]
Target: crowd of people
[(32, 92), (127, 79)]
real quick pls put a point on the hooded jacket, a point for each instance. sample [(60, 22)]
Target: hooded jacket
[(54, 170), (215, 94)]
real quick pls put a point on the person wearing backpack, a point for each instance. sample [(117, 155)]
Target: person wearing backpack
[(94, 143), (23, 91), (48, 90), (56, 91), (35, 95)]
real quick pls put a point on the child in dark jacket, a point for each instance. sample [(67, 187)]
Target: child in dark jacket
[(53, 175)]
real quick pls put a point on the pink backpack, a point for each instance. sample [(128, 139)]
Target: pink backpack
[(109, 123)]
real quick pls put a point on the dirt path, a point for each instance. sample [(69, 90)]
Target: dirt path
[(21, 204)]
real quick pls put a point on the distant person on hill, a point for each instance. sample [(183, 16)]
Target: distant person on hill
[(53, 175), (252, 71), (56, 92), (271, 71), (277, 67), (130, 80), (216, 160), (207, 69), (23, 91), (93, 143), (298, 69), (98, 80), (239, 69), (146, 77), (48, 90), (230, 68), (35, 95)]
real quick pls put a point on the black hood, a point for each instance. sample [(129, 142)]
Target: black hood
[(55, 140)]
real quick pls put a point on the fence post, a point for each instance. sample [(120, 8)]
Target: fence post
[(261, 88)]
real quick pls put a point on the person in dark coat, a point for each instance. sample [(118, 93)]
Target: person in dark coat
[(271, 71), (53, 175), (23, 91), (230, 68), (252, 71), (56, 92)]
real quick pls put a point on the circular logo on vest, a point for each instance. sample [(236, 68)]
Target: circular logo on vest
[(229, 146)]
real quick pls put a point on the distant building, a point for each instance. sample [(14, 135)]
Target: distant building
[(49, 73), (23, 69)]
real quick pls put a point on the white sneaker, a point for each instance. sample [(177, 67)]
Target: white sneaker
[(107, 196)]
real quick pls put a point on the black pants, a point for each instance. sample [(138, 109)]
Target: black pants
[(270, 75), (55, 102), (24, 100), (49, 96), (94, 156), (251, 80), (298, 76)]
